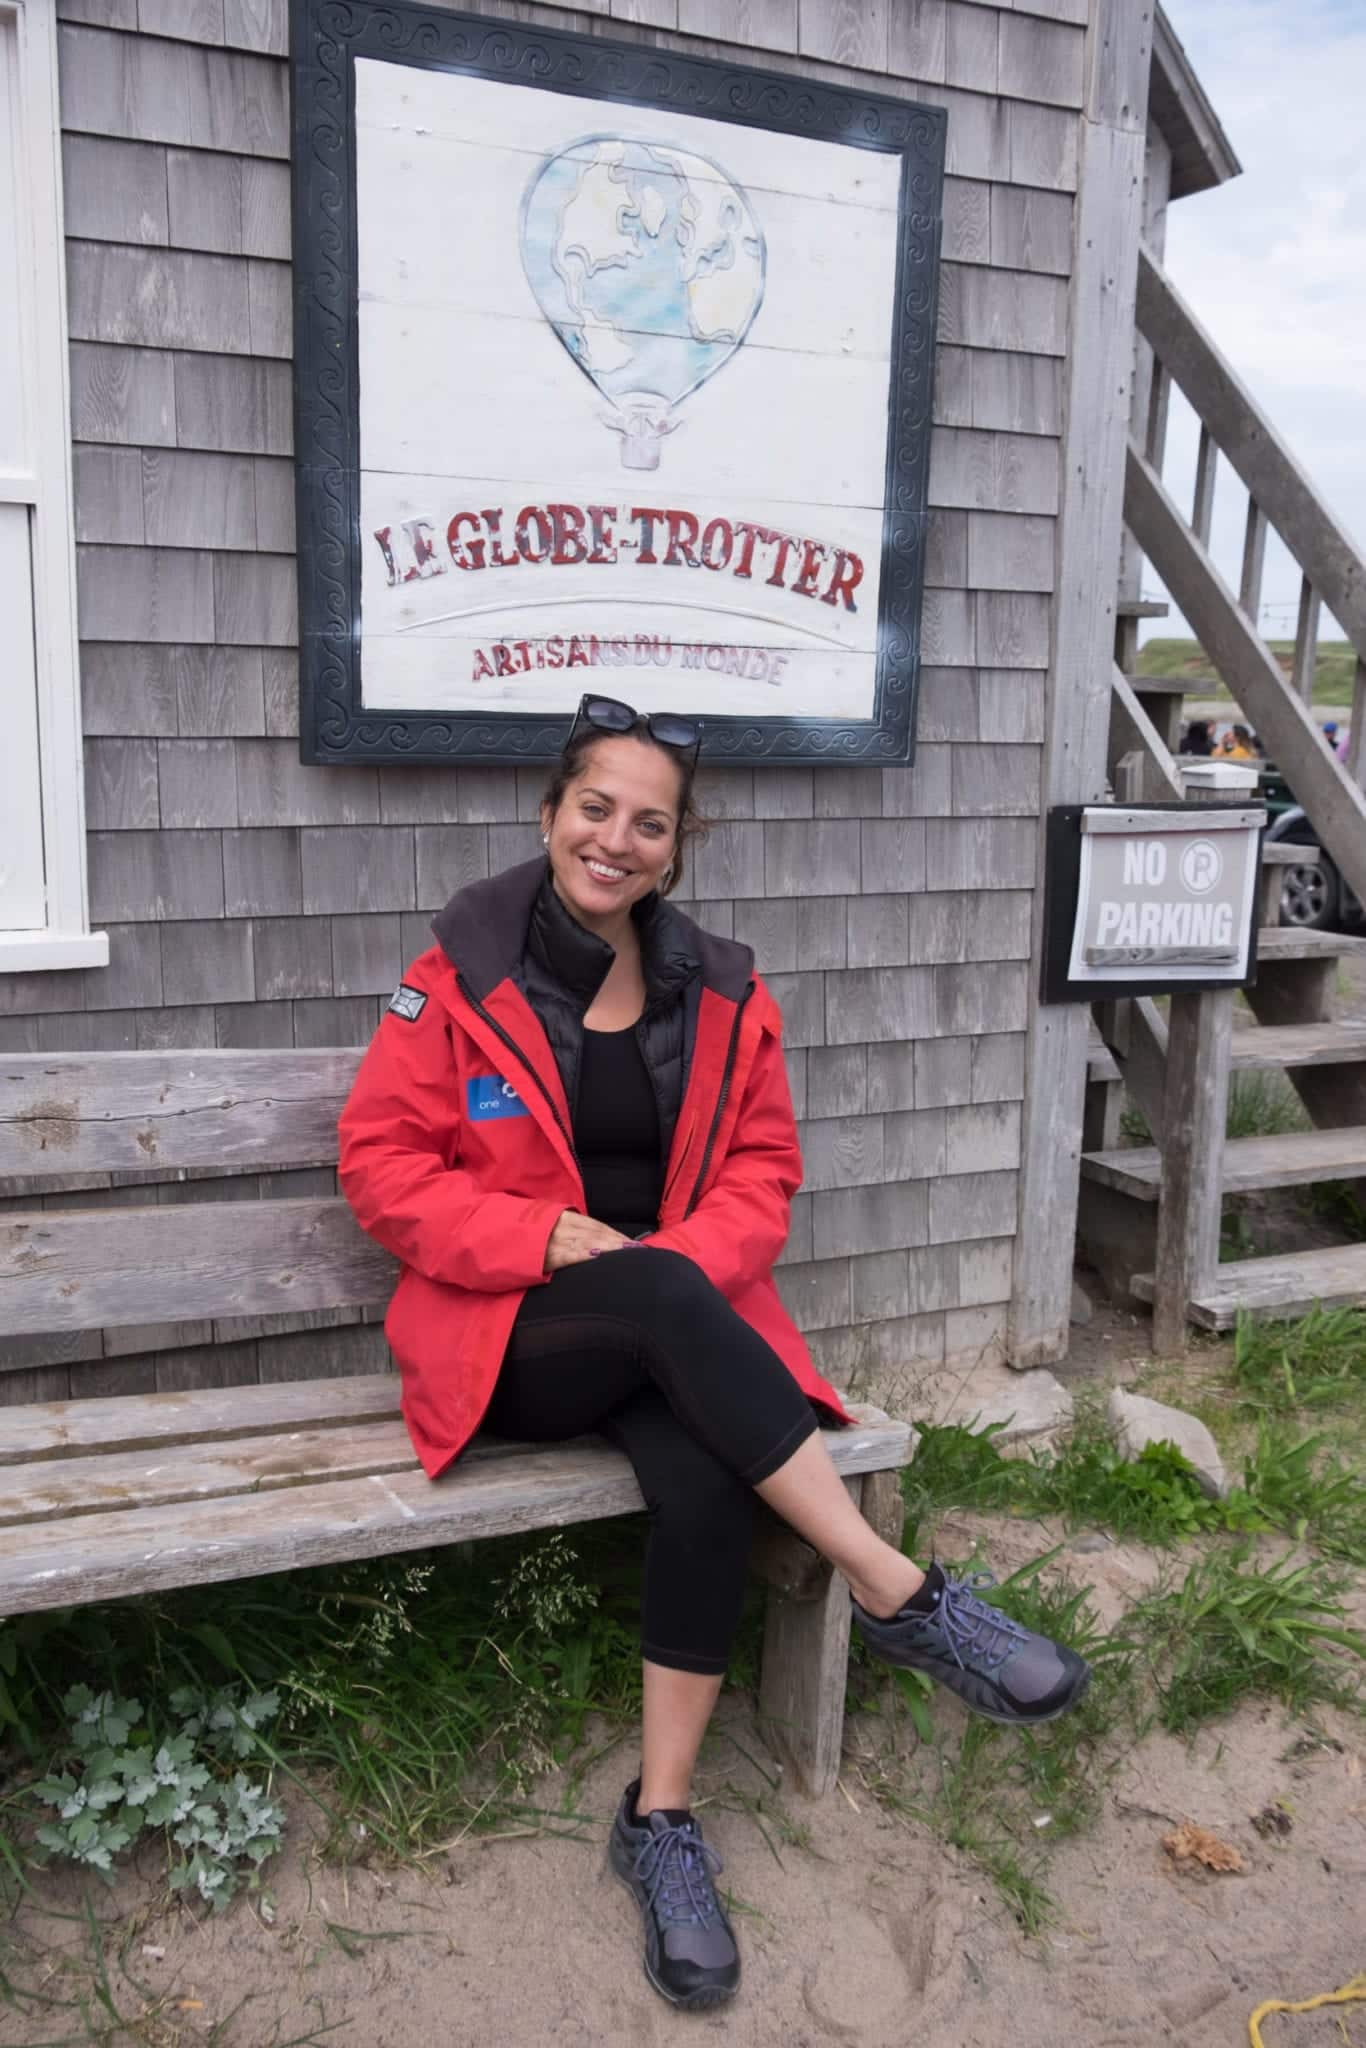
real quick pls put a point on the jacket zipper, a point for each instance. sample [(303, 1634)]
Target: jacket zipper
[(726, 1075), (510, 1042)]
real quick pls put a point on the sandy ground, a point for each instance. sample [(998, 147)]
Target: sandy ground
[(857, 1925)]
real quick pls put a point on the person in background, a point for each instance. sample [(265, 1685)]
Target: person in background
[(1330, 735), (1236, 744), (574, 1071), (1196, 738)]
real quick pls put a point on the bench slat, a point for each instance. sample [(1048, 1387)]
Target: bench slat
[(78, 1269), (107, 1555), (123, 1422), (67, 1113)]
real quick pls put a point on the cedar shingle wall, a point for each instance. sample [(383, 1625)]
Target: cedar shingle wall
[(251, 901)]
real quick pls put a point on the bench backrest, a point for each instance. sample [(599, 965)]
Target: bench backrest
[(158, 1116)]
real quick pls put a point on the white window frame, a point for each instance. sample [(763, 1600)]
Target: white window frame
[(43, 484)]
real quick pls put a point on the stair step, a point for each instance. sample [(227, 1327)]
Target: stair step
[(1287, 942), (1166, 686), (1292, 1159), (1142, 608), (1276, 1288), (1266, 1047)]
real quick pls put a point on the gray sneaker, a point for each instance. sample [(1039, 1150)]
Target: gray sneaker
[(999, 1668), (690, 1952)]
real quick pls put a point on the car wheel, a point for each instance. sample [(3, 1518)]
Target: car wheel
[(1309, 896)]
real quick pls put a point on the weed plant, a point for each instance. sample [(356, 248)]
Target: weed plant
[(1316, 1363)]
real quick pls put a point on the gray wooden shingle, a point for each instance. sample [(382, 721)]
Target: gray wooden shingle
[(1031, 230), (261, 873), (770, 928), (812, 858), (253, 1027), (985, 1271), (821, 936), (1017, 394), (970, 47), (873, 1219), (721, 792), (367, 954), (761, 24), (852, 32), (996, 781), (848, 792), (338, 1020), (731, 863), (946, 549), (232, 402), (801, 998), (916, 40), (1010, 551), (980, 853), (947, 707), (418, 796), (795, 1059), (509, 845), (271, 308), (993, 471), (816, 1295), (924, 791), (275, 788), (932, 1276), (983, 1137), (1016, 310), (292, 957), (274, 505), (198, 500), (108, 489), (126, 689), (936, 928), (195, 21), (948, 628), (121, 784), (114, 191), (977, 144), (864, 1005), (999, 925), (915, 1144), (878, 931), (257, 25), (209, 962), (842, 1152), (967, 220), (255, 600), (879, 1286), (132, 980), (198, 781), (989, 995), (219, 690), (122, 394), (1011, 704), (1041, 61), (785, 793), (1014, 628), (971, 1205), (265, 208), (359, 867), (152, 90), (156, 298), (280, 677), (99, 13), (205, 200), (943, 1072), (1043, 146), (486, 796), (893, 855), (953, 386), (144, 594), (998, 1067), (448, 858), (836, 1080), (140, 875)]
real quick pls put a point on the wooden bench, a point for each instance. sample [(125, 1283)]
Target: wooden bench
[(104, 1497)]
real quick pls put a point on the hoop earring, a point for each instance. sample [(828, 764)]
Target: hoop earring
[(667, 876)]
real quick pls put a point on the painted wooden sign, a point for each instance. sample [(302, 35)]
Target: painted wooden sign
[(613, 374), (1151, 897)]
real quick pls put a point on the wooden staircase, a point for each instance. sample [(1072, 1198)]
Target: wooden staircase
[(1149, 1216)]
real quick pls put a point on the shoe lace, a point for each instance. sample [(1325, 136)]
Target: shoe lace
[(973, 1627), (676, 1868)]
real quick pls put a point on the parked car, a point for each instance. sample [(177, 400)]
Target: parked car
[(1315, 897)]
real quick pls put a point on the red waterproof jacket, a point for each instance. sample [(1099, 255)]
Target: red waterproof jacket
[(456, 1155)]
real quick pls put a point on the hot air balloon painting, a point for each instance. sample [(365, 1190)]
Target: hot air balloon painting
[(648, 263)]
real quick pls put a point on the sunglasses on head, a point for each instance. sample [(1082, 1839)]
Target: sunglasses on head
[(609, 714)]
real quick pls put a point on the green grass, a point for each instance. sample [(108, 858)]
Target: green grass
[(1260, 1105), (1334, 667), (1317, 1363)]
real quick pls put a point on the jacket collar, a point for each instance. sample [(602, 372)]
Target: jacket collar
[(486, 928)]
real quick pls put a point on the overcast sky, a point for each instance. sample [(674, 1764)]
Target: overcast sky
[(1274, 262)]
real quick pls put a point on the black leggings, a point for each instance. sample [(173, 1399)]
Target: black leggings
[(641, 1346)]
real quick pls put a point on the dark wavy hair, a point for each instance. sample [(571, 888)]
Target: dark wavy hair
[(692, 826)]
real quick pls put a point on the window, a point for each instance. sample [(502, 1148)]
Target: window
[(43, 915)]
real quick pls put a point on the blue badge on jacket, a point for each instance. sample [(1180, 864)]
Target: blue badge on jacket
[(488, 1096)]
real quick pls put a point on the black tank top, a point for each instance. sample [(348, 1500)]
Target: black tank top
[(616, 1133)]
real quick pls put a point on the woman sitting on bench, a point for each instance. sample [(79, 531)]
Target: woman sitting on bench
[(575, 1071)]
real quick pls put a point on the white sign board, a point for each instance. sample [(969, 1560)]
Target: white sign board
[(1165, 895), (624, 387)]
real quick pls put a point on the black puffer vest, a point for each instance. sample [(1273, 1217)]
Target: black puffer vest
[(564, 966)]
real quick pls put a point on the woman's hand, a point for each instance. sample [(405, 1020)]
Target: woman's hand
[(576, 1238)]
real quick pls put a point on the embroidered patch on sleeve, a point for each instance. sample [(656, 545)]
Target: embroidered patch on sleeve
[(408, 1003)]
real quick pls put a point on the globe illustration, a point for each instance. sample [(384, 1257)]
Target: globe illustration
[(648, 263)]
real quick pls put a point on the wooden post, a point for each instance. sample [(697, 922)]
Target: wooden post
[(1306, 641), (805, 1670), (1099, 366), (1356, 747), (1254, 561)]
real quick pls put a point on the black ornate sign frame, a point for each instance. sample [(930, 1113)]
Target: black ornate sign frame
[(326, 38)]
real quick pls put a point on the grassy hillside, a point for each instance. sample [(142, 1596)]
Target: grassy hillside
[(1333, 671)]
